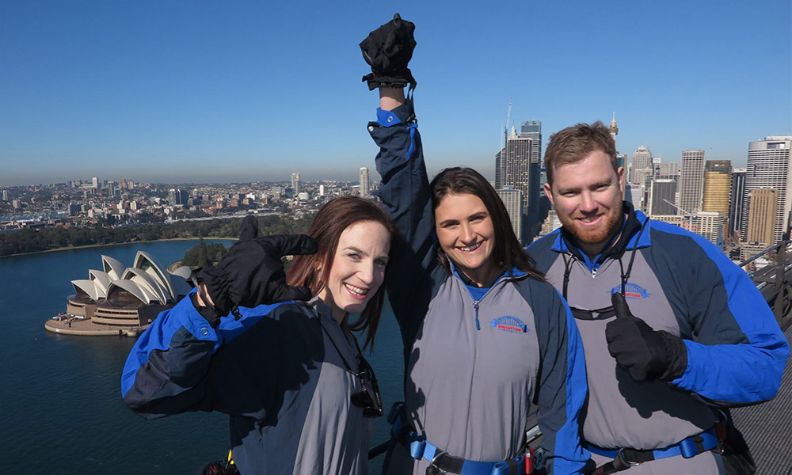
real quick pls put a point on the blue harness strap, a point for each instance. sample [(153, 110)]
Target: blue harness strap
[(423, 449), (687, 448)]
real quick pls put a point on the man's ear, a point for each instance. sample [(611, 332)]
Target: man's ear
[(548, 190)]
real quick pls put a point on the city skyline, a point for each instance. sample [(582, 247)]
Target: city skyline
[(184, 92)]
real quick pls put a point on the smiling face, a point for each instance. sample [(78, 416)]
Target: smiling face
[(357, 268), (467, 236), (587, 196)]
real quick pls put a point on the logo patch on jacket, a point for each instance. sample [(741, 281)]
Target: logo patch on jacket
[(508, 323), (632, 291)]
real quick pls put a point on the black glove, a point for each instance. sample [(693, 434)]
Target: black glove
[(252, 272), (388, 51), (645, 353)]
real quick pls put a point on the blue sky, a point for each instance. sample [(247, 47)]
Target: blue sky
[(210, 91)]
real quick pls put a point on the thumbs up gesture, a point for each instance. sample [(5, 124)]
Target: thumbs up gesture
[(645, 353)]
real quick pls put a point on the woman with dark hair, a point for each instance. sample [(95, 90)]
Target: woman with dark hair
[(488, 343), (289, 373)]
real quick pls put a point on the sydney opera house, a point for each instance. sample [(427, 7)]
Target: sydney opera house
[(120, 300)]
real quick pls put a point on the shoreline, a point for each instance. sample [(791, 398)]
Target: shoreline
[(87, 246)]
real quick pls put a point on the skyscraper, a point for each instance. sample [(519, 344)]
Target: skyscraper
[(642, 165), (295, 183), (512, 200), (762, 216), (5, 195), (691, 183), (769, 167), (364, 182), (533, 130), (737, 202), (95, 183), (662, 193), (717, 185), (521, 172)]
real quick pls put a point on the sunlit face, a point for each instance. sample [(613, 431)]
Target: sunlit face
[(358, 268), (587, 196), (467, 236)]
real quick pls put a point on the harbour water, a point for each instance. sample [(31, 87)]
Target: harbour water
[(60, 405)]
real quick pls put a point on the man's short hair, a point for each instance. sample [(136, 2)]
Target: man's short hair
[(573, 144)]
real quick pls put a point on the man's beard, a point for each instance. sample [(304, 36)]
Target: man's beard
[(600, 235)]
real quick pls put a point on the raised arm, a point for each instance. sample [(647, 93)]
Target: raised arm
[(404, 188)]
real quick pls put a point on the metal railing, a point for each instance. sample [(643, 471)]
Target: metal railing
[(775, 280)]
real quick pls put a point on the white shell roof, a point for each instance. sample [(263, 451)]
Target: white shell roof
[(145, 280)]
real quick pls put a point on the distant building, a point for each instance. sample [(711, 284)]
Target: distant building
[(717, 187), (662, 193), (762, 216), (120, 299), (518, 166), (5, 195), (769, 167), (691, 183), (512, 200), (95, 183), (737, 202), (364, 182), (641, 166), (295, 183)]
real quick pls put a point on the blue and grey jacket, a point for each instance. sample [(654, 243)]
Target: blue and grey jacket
[(680, 283), (277, 372), (476, 365)]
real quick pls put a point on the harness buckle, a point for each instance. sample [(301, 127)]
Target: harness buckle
[(691, 446)]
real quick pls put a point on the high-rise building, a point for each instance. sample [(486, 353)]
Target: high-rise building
[(520, 172), (769, 167), (295, 183), (762, 216), (512, 200), (691, 183), (364, 182), (642, 165), (666, 169), (321, 190), (717, 185), (662, 193), (95, 183), (737, 202), (533, 130), (5, 195), (500, 168)]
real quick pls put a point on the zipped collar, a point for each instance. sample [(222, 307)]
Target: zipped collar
[(514, 274), (627, 237)]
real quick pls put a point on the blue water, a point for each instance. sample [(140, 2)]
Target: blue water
[(60, 405)]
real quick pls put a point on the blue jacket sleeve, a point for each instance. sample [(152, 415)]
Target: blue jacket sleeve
[(168, 370), (406, 196), (562, 386), (165, 371), (735, 349)]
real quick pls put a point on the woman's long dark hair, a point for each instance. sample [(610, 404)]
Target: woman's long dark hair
[(507, 251), (331, 220)]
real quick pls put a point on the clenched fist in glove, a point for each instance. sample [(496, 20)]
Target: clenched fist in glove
[(645, 353), (388, 51), (252, 272)]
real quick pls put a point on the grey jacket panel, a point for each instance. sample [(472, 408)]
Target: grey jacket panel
[(469, 390), (620, 410)]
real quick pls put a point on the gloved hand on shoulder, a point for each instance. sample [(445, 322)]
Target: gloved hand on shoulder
[(388, 51), (252, 272), (647, 354)]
